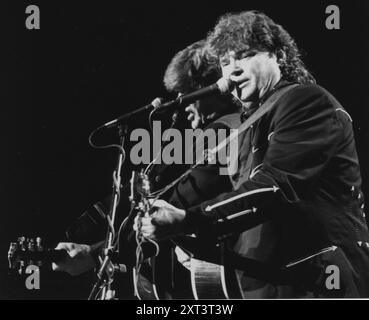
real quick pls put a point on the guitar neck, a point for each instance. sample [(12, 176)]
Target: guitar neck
[(48, 256)]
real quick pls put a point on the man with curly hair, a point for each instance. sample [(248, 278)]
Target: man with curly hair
[(297, 205)]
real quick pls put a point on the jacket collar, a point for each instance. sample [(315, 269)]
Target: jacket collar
[(251, 109)]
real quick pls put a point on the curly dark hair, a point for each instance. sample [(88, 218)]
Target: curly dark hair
[(192, 69), (256, 31)]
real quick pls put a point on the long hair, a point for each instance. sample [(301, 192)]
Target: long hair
[(191, 69), (253, 30)]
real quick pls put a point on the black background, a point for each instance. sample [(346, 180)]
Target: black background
[(92, 61)]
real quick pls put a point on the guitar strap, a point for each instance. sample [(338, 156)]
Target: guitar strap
[(262, 110)]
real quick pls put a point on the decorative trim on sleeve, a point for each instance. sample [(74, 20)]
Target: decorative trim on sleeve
[(344, 111), (239, 196), (238, 214), (255, 170), (270, 135)]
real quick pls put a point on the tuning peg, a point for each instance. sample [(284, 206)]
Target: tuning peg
[(39, 246), (31, 244), (21, 242), (22, 266)]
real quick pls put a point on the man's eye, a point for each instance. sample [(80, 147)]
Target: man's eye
[(246, 54), (224, 63)]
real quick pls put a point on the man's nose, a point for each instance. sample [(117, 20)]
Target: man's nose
[(236, 70)]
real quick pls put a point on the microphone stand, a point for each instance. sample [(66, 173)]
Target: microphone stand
[(106, 267), (102, 285)]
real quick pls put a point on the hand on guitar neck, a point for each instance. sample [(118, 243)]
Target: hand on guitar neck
[(79, 258), (69, 257)]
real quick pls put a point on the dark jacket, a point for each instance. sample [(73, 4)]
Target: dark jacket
[(301, 193), (204, 182)]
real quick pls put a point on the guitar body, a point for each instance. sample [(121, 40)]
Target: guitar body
[(213, 281), (234, 268), (212, 277)]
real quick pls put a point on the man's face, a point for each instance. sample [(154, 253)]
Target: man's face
[(201, 111), (194, 115), (253, 72)]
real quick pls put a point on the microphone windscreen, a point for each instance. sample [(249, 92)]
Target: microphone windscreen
[(156, 103), (225, 85)]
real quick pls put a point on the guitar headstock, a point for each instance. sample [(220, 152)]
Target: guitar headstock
[(30, 251), (25, 252)]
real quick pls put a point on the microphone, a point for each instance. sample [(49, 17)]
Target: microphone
[(222, 86), (156, 103)]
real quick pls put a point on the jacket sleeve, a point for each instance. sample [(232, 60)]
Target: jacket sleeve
[(303, 136)]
